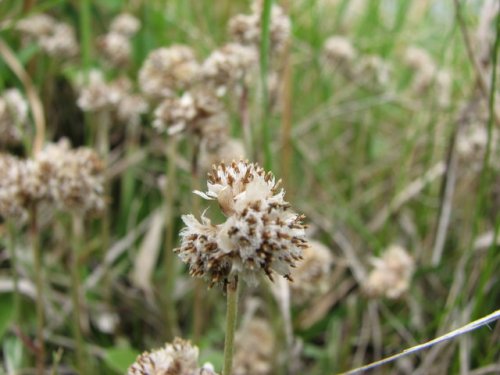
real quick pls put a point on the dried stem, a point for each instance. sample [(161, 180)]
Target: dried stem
[(231, 316), (37, 264)]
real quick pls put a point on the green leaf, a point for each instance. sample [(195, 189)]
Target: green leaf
[(13, 354), (119, 359), (6, 312)]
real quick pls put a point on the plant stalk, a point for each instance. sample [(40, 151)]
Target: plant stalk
[(37, 265), (169, 257), (75, 291), (231, 316)]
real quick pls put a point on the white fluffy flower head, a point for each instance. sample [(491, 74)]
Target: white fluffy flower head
[(261, 232)]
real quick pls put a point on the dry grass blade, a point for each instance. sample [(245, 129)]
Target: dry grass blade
[(446, 337), (31, 93)]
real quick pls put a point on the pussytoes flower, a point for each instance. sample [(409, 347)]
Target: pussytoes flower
[(177, 358), (338, 50), (125, 24), (260, 235), (13, 116), (391, 274), (167, 70)]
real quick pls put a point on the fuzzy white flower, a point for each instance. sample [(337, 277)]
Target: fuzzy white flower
[(261, 233), (391, 274), (13, 116), (178, 358), (125, 24)]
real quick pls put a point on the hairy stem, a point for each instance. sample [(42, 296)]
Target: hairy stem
[(231, 315)]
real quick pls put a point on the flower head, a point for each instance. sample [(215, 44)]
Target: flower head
[(261, 232), (178, 358), (167, 70), (115, 48), (391, 274), (13, 116), (125, 24)]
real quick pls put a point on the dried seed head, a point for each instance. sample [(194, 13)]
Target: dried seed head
[(125, 24), (167, 70), (254, 348), (191, 112), (13, 116), (338, 50), (178, 358), (36, 26), (246, 29), (391, 274), (115, 49), (228, 66), (312, 275), (62, 41), (74, 177), (261, 233), (97, 94), (20, 185)]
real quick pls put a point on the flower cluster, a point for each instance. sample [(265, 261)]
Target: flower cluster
[(338, 50), (193, 112), (178, 358), (57, 39), (246, 28), (71, 180), (167, 70), (228, 65), (13, 116), (261, 232), (115, 46), (391, 274)]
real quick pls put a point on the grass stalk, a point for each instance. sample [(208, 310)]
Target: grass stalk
[(169, 257), (37, 265), (77, 238), (264, 68), (231, 316)]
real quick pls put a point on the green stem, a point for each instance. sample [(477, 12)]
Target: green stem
[(264, 67), (37, 265), (85, 31), (170, 315), (231, 315), (75, 292)]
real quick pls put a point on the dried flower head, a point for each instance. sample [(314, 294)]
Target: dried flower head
[(97, 94), (391, 274), (36, 26), (228, 65), (338, 50), (246, 29), (115, 49), (167, 70), (62, 41), (20, 185), (178, 358), (254, 348), (373, 69), (261, 232), (57, 39), (312, 275), (13, 116), (125, 24), (190, 112), (74, 177)]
